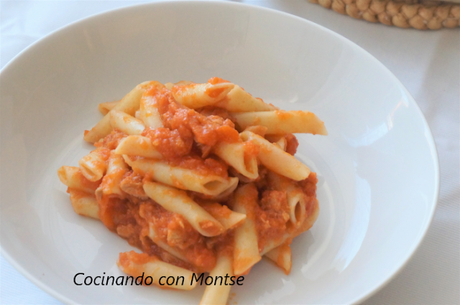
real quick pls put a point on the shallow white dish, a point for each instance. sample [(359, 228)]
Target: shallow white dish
[(378, 167)]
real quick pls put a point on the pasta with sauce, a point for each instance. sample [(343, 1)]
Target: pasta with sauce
[(200, 177)]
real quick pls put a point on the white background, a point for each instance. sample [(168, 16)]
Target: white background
[(428, 65)]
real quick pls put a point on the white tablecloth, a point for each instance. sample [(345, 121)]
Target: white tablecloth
[(427, 63)]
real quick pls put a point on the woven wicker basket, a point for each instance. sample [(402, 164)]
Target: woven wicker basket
[(418, 14)]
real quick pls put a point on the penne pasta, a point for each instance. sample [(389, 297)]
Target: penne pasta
[(125, 123), (279, 140), (282, 143), (116, 169), (281, 256), (276, 159), (246, 248), (74, 179), (258, 130), (136, 264), (148, 111), (218, 294), (182, 178), (128, 104), (199, 95), (138, 146), (178, 202), (238, 100), (83, 203), (104, 108), (225, 194), (237, 156), (295, 197), (306, 225), (282, 122), (93, 165), (228, 218)]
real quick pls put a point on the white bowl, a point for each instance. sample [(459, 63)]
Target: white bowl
[(378, 171)]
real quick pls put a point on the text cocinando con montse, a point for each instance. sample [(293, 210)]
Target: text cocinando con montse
[(80, 279)]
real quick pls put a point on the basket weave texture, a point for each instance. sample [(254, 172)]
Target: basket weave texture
[(421, 15)]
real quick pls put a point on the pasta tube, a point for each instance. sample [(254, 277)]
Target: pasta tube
[(178, 202), (295, 196), (148, 111), (199, 95), (136, 264), (277, 140), (93, 165), (246, 247), (126, 123), (138, 146), (276, 159), (228, 218), (281, 256), (305, 226), (104, 108), (282, 122), (83, 203), (258, 130), (111, 182), (238, 100), (214, 294), (128, 104), (73, 178), (182, 178), (236, 156)]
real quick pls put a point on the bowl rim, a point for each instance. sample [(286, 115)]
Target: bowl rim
[(429, 136)]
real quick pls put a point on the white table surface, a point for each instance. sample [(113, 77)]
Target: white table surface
[(427, 63)]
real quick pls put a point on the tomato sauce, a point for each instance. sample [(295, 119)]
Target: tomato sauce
[(217, 210), (207, 130), (111, 141), (169, 142), (291, 144), (272, 216)]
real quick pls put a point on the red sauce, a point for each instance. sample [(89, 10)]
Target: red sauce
[(220, 112), (104, 153), (251, 149), (309, 187), (271, 216), (204, 167), (291, 144), (169, 142), (214, 92), (207, 130), (136, 258), (132, 184), (111, 141)]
